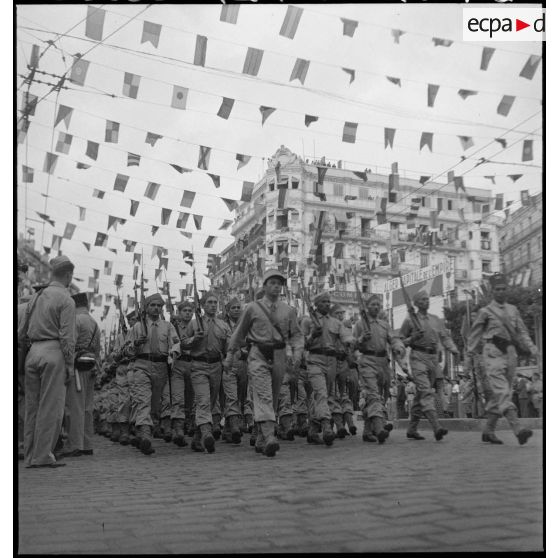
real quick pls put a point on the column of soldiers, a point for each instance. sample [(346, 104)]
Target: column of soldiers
[(259, 369)]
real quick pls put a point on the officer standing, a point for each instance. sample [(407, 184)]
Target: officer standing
[(499, 330), (50, 327)]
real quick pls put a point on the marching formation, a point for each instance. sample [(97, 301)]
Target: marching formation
[(257, 369)]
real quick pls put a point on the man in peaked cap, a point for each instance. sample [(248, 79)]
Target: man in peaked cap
[(498, 331), (49, 366)]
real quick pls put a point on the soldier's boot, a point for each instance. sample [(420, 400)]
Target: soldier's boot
[(243, 425), (302, 422), (236, 434), (207, 439), (144, 432), (249, 421), (378, 428), (216, 429), (367, 433), (328, 433), (158, 431), (339, 426), (166, 428), (124, 434), (178, 432), (439, 432), (348, 420), (226, 433), (522, 434), (115, 432), (285, 430), (271, 447), (197, 441), (412, 433), (191, 429), (259, 439), (313, 436), (134, 436), (488, 434)]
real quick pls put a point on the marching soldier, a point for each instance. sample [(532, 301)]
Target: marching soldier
[(268, 325), (322, 345), (424, 363), (374, 370), (207, 348), (499, 330)]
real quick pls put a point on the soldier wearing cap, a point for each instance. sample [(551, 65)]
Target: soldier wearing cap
[(49, 366), (79, 402), (424, 363), (155, 344), (322, 344), (268, 325), (373, 343), (498, 331), (127, 404)]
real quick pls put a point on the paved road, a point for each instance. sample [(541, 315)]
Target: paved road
[(455, 495)]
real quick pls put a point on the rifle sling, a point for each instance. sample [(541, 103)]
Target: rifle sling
[(271, 319)]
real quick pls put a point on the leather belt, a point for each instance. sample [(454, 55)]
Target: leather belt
[(41, 340), (206, 359), (424, 350), (325, 352), (375, 353), (152, 358), (185, 358)]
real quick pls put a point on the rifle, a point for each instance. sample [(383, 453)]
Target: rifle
[(170, 308), (306, 298), (121, 321), (197, 304), (141, 315), (361, 306), (410, 308)]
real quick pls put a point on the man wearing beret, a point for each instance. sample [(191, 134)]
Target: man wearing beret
[(207, 343), (323, 341), (268, 324), (498, 331), (155, 343), (424, 363), (50, 327), (373, 343)]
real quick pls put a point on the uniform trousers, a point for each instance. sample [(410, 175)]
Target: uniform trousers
[(206, 383), (499, 369), (322, 370), (149, 381), (235, 385), (79, 412), (122, 391), (374, 377), (425, 369)]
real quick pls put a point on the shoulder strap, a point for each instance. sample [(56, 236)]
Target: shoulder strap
[(272, 321), (504, 321), (28, 312)]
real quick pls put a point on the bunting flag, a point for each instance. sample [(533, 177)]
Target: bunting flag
[(525, 198), (226, 224), (464, 93), (151, 190), (487, 53), (92, 150), (225, 108), (133, 207), (187, 198), (389, 135), (198, 221), (432, 92), (65, 114), (266, 113), (231, 204), (229, 13), (515, 177), (530, 67), (163, 262), (247, 188), (424, 179), (165, 215), (182, 220), (98, 300), (349, 132), (290, 23), (82, 166), (351, 73), (466, 142), (349, 27), (426, 139), (131, 85), (78, 72), (527, 152), (186, 255), (321, 174), (396, 34), (179, 96), (92, 283), (499, 203), (383, 205), (209, 242), (118, 280), (98, 194), (180, 169), (111, 131), (203, 158), (186, 234), (133, 160), (56, 242), (441, 42), (201, 50), (394, 80), (81, 213), (243, 160), (505, 105), (101, 239), (69, 231), (491, 178), (137, 259), (152, 138), (154, 230), (27, 175), (96, 273), (50, 162), (130, 245), (113, 250), (108, 268), (362, 175), (135, 273), (46, 249), (120, 182), (308, 119), (252, 61), (151, 33), (300, 70), (338, 250), (458, 183), (34, 58)]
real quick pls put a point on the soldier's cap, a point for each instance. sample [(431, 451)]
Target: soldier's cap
[(39, 288), (498, 279), (131, 315), (60, 262), (320, 297), (156, 297), (207, 295), (274, 273), (420, 294), (336, 308), (185, 304), (259, 294), (81, 300), (232, 302), (374, 297)]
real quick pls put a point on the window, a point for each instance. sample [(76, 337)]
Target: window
[(271, 186), (294, 215), (485, 240), (425, 202), (270, 250), (392, 197), (282, 248), (294, 183), (338, 190), (450, 205), (470, 235), (282, 220), (440, 204), (472, 264), (486, 266), (362, 194), (477, 207), (365, 285), (424, 260), (294, 248), (364, 226)]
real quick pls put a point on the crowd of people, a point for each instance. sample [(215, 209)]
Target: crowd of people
[(258, 369)]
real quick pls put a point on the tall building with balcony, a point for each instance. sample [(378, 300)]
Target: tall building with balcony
[(323, 224), (521, 244)]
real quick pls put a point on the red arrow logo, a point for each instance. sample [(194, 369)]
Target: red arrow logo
[(519, 25)]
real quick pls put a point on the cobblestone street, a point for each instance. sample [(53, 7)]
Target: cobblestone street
[(455, 495)]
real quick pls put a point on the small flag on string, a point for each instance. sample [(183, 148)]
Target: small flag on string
[(154, 230), (525, 198), (87, 246), (69, 231), (389, 135), (131, 85), (243, 160), (321, 174), (137, 260), (135, 272), (34, 59), (133, 160), (426, 139), (111, 131), (79, 69), (487, 53), (505, 105), (182, 220), (201, 50), (203, 158), (198, 221), (252, 61), (349, 132), (82, 166), (459, 184), (464, 93), (113, 250), (56, 242), (130, 245), (187, 198), (530, 67), (108, 267), (432, 92), (247, 188), (491, 178), (396, 34), (229, 13), (65, 114), (152, 138), (502, 142), (225, 108), (151, 33), (424, 179), (165, 215), (394, 80), (112, 222), (362, 175), (216, 179), (441, 42), (466, 142), (64, 143), (180, 169), (308, 119), (226, 224), (151, 190), (349, 27), (101, 239), (515, 177), (98, 194), (50, 162), (164, 262), (351, 74), (290, 23), (46, 249), (133, 207), (266, 112), (231, 204), (209, 242), (499, 203), (81, 213), (179, 96), (300, 70), (92, 150), (27, 174), (527, 153)]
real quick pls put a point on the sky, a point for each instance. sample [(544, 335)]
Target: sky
[(370, 100)]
